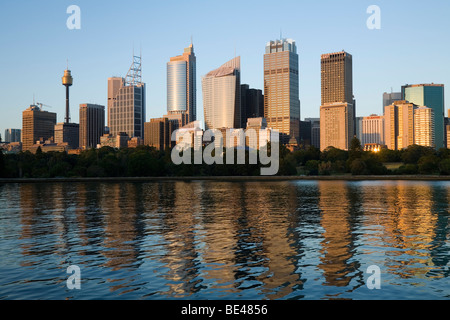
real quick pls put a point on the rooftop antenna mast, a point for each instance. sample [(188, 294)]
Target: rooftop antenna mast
[(134, 75)]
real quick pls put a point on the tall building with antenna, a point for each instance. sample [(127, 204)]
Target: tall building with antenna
[(181, 85), (126, 102), (67, 132)]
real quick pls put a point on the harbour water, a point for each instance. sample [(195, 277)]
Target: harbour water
[(198, 240)]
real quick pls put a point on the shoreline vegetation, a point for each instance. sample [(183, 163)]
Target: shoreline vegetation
[(145, 163), (231, 179)]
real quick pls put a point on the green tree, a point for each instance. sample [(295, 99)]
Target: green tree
[(413, 153), (428, 164), (312, 167), (2, 165), (358, 167), (444, 167)]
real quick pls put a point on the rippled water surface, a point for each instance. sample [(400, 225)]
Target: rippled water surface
[(225, 240)]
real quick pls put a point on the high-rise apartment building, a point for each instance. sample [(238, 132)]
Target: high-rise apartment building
[(337, 112), (424, 127), (399, 125), (222, 96), (126, 102), (431, 96), (281, 89), (181, 84), (36, 124), (12, 135), (92, 125)]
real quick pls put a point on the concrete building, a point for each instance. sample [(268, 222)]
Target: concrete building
[(36, 124), (372, 130), (12, 135), (126, 102), (181, 85), (67, 133), (92, 125), (399, 125), (431, 96), (158, 133), (337, 112), (222, 96), (281, 89), (118, 141), (424, 127)]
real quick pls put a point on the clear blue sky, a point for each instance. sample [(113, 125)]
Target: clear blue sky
[(412, 47)]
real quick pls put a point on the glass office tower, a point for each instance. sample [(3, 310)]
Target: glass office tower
[(181, 84), (431, 96)]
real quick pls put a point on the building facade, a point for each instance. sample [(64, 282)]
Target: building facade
[(390, 98), (337, 112), (36, 124), (281, 89), (315, 131), (181, 84), (372, 130), (222, 96), (158, 133), (252, 104), (431, 96), (399, 125), (13, 135), (92, 125), (126, 103), (424, 127), (67, 133)]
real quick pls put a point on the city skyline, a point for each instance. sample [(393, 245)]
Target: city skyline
[(377, 67)]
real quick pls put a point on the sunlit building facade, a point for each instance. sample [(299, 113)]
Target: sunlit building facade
[(424, 127), (432, 96), (281, 89), (337, 111), (222, 96), (181, 84)]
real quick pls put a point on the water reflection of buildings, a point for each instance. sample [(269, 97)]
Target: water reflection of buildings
[(408, 227), (338, 220)]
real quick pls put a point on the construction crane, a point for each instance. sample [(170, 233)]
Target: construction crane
[(42, 105)]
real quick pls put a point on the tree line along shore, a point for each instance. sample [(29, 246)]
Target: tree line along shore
[(308, 162)]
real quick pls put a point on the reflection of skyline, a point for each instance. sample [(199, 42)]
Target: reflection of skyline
[(238, 239), (338, 244)]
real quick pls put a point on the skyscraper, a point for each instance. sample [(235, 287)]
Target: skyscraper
[(36, 124), (424, 127), (12, 135), (431, 96), (222, 96), (126, 102), (181, 84), (281, 89), (92, 124), (337, 112)]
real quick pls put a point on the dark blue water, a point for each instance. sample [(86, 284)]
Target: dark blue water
[(225, 240)]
